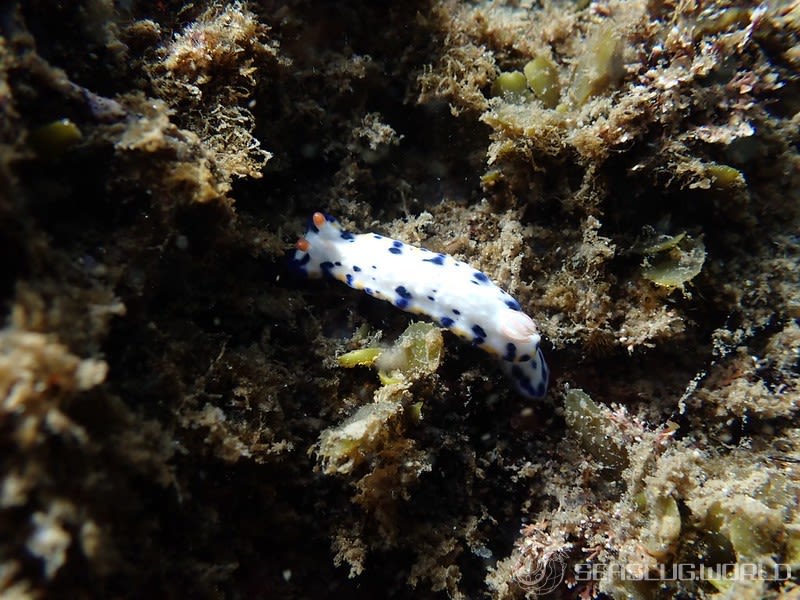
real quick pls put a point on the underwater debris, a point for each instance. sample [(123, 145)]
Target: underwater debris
[(372, 139)]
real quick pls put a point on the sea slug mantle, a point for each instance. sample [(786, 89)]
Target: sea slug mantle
[(419, 281)]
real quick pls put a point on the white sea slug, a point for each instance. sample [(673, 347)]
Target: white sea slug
[(460, 298)]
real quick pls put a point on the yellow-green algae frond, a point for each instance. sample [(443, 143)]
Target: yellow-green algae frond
[(380, 424), (673, 261), (542, 78), (416, 352)]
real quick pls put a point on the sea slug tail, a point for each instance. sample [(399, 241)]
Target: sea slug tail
[(530, 377)]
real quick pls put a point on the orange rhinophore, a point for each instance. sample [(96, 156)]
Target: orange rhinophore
[(319, 219)]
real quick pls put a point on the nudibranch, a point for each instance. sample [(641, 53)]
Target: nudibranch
[(452, 293)]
